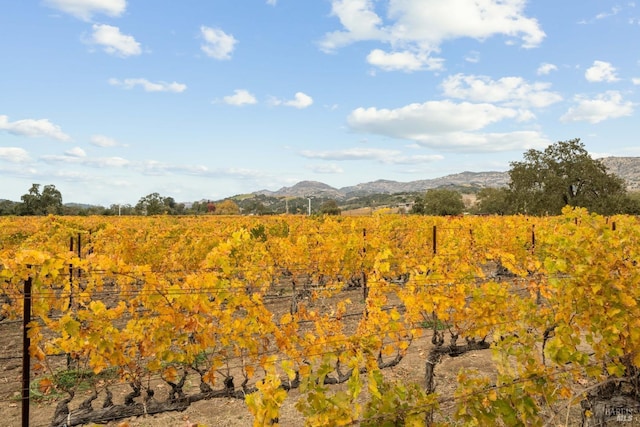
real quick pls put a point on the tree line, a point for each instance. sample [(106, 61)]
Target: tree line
[(541, 184), (48, 201)]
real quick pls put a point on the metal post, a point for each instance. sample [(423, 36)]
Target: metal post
[(26, 358)]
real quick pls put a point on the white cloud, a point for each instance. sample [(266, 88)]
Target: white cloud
[(421, 26), (359, 20), (608, 105), (446, 125), (350, 154), (85, 9), (218, 44), (403, 61), (545, 68), (510, 91), (300, 101), (614, 11), (601, 71), (603, 15), (432, 21), (156, 168), (486, 142), (380, 155), (103, 141), (433, 117), (149, 86), (14, 154), (636, 81), (473, 57), (114, 42), (240, 97), (76, 152), (33, 128), (78, 159), (326, 169), (272, 2)]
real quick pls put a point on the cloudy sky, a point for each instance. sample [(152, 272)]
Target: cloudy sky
[(111, 100)]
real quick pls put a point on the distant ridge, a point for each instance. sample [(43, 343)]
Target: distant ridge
[(305, 189), (628, 168)]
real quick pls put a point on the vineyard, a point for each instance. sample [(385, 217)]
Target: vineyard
[(257, 308)]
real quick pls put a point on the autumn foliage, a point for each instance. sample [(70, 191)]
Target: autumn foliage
[(556, 300)]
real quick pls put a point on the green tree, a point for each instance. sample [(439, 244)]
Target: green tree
[(116, 210), (493, 201), (564, 174), (7, 207), (36, 203), (155, 204), (439, 202), (330, 207), (255, 207), (633, 203)]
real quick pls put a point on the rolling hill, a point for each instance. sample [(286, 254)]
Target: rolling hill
[(627, 168)]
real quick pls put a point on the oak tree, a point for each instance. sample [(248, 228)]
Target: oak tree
[(564, 174), (493, 201), (439, 202), (330, 207), (37, 203)]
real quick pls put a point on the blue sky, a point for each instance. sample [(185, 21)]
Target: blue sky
[(111, 100)]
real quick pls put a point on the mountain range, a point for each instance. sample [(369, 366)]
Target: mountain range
[(628, 168)]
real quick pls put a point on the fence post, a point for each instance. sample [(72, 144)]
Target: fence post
[(26, 357), (435, 240), (533, 237), (365, 287), (70, 274), (79, 253)]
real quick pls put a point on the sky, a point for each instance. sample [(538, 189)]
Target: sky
[(112, 100)]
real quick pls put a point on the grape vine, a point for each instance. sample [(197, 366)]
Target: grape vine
[(253, 307)]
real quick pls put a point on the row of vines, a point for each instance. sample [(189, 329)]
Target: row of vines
[(253, 307)]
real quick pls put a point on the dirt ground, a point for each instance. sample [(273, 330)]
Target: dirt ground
[(220, 411)]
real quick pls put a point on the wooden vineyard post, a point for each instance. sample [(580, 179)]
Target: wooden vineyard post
[(71, 274), (26, 357), (70, 293), (533, 248), (435, 240), (533, 237), (79, 253), (365, 288)]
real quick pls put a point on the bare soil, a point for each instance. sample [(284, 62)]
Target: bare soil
[(220, 411), (224, 411)]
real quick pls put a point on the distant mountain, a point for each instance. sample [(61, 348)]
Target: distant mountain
[(627, 168), (305, 189), (464, 179), (381, 186)]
